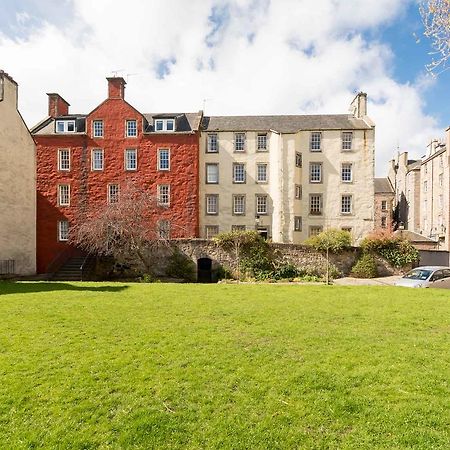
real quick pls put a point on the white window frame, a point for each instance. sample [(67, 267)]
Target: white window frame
[(129, 160), (94, 129), (298, 191), (211, 231), (298, 159), (261, 142), (63, 197), (239, 204), (346, 208), (65, 126), (262, 207), (315, 204), (98, 151), (128, 122), (160, 159), (347, 172), (347, 140), (164, 125), (298, 225), (207, 180), (315, 172), (238, 228), (164, 229), (113, 197), (163, 197), (384, 205), (315, 141), (212, 143), (62, 151), (266, 173), (237, 166), (63, 230), (239, 142), (383, 222), (212, 204)]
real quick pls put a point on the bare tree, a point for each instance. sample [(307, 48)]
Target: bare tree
[(436, 20), (128, 227)]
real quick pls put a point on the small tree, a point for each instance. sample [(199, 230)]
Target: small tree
[(331, 240), (436, 21), (125, 228), (248, 247)]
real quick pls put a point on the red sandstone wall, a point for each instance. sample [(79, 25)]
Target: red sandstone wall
[(90, 187)]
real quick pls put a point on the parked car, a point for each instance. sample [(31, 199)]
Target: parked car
[(426, 277)]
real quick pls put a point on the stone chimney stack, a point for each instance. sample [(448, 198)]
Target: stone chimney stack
[(358, 107), (116, 87), (57, 106), (8, 89)]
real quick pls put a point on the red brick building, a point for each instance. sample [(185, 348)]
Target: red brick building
[(86, 159)]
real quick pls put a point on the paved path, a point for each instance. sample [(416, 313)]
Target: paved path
[(349, 281)]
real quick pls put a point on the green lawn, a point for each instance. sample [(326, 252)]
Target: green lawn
[(98, 365)]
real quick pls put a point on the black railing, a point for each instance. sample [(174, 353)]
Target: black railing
[(7, 266)]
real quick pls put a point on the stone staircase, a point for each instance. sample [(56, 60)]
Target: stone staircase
[(70, 270)]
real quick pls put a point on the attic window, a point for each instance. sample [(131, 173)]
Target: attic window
[(65, 126), (165, 125)]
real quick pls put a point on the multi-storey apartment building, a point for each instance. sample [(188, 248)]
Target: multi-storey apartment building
[(288, 176), (17, 186), (434, 193), (384, 198), (84, 160), (422, 192)]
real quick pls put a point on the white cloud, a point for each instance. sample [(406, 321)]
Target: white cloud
[(243, 56)]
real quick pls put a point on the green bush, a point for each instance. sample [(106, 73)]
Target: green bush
[(365, 267), (334, 240), (180, 266), (397, 251)]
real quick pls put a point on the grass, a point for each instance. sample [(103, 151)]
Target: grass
[(92, 365)]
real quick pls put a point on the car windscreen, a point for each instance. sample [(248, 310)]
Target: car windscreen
[(417, 274)]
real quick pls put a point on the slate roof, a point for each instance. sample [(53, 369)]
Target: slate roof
[(412, 236), (184, 122), (383, 186), (284, 124)]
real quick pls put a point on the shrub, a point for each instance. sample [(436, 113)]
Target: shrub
[(334, 240), (397, 251), (180, 266), (365, 267), (253, 253)]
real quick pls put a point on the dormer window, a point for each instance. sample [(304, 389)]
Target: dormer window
[(65, 126), (164, 124)]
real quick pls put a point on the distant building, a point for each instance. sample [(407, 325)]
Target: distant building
[(17, 186), (84, 160), (289, 177), (384, 198), (422, 196)]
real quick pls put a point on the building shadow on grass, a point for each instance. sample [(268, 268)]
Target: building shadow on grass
[(12, 287)]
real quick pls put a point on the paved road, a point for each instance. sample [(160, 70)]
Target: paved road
[(383, 281)]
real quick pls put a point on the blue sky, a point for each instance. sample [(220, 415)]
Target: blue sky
[(411, 50), (235, 57)]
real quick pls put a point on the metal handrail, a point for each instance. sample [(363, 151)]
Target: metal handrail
[(84, 265)]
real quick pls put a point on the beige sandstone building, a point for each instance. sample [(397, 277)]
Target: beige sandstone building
[(288, 176), (422, 192), (17, 186)]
